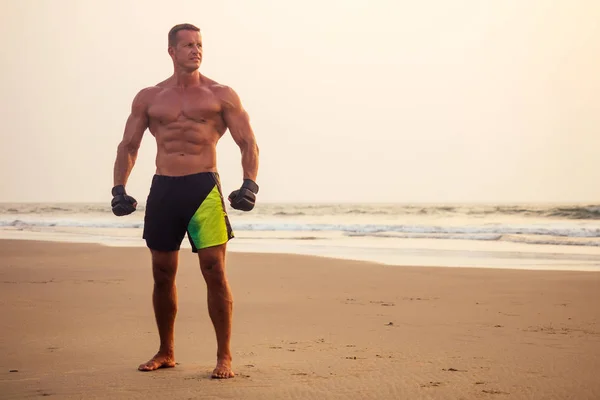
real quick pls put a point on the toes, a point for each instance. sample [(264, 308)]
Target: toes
[(222, 374), (147, 367), (155, 364)]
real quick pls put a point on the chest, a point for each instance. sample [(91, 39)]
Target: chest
[(199, 105)]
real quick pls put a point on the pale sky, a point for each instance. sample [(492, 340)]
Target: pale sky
[(350, 100)]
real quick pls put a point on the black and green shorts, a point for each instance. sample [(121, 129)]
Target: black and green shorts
[(191, 204)]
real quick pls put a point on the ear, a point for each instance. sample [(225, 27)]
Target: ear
[(171, 51)]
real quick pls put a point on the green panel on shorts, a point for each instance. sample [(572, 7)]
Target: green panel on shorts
[(207, 227)]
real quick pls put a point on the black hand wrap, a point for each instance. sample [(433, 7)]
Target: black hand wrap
[(245, 197), (122, 204)]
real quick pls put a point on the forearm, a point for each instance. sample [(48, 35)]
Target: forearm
[(250, 160), (124, 163)]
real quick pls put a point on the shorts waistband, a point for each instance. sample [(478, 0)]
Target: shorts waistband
[(186, 177)]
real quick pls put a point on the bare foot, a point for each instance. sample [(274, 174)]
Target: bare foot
[(158, 361), (223, 370)]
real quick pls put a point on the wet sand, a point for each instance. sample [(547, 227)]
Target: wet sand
[(77, 320)]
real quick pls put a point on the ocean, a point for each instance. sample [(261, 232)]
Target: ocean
[(525, 236)]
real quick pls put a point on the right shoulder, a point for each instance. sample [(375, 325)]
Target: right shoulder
[(148, 93), (144, 97)]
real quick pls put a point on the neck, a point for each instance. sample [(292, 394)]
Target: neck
[(185, 78)]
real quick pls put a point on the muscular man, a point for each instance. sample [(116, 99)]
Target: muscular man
[(187, 114)]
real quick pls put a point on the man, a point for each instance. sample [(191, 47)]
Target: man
[(187, 114)]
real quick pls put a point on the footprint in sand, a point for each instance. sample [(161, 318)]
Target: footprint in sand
[(352, 301), (550, 330), (430, 384), (508, 314), (383, 303), (492, 391), (419, 298)]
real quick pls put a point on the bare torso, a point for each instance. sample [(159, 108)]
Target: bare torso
[(187, 123), (187, 115)]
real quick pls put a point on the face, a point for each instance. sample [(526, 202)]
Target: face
[(187, 54)]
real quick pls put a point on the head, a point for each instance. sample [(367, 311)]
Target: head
[(185, 46)]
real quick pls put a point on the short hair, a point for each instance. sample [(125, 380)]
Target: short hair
[(177, 28)]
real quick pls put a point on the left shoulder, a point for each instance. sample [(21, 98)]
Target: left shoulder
[(225, 93)]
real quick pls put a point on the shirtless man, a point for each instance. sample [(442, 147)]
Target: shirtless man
[(187, 114)]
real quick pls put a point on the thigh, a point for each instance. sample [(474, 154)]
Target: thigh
[(208, 225), (212, 262), (163, 227)]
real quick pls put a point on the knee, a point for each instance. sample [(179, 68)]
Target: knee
[(213, 271), (164, 274)]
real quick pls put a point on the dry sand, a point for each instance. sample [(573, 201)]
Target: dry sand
[(77, 320)]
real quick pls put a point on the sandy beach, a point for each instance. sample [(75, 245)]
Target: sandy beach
[(77, 321)]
